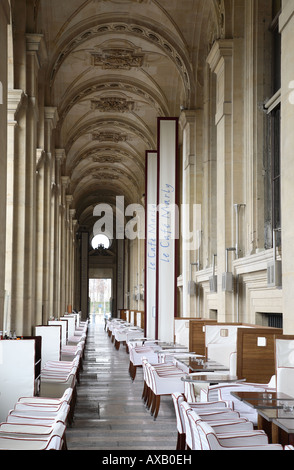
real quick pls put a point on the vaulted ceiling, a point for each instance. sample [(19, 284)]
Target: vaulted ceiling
[(114, 67)]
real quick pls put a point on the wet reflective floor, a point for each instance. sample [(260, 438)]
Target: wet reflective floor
[(110, 413)]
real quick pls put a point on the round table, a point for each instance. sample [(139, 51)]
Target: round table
[(211, 378)]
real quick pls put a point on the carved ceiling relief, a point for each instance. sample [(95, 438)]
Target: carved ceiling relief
[(109, 137), (123, 1), (107, 174), (110, 86), (122, 59), (221, 18), (95, 157), (106, 159), (113, 104)]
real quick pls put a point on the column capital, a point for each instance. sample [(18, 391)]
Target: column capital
[(220, 61), (15, 100), (221, 49), (36, 45), (69, 199), (60, 155), (51, 115), (72, 213), (188, 116), (65, 180)]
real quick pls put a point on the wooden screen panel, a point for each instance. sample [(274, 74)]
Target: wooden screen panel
[(136, 318), (143, 320), (197, 335), (122, 315), (256, 363)]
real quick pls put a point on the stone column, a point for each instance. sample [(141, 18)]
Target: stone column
[(69, 200), (75, 273), (71, 265), (287, 166), (4, 20), (220, 61), (15, 103), (50, 123), (34, 56), (63, 245), (56, 231), (40, 235)]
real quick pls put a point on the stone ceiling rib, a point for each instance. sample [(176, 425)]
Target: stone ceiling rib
[(113, 68), (112, 84), (169, 48)]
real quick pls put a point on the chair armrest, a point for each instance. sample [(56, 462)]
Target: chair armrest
[(243, 439)]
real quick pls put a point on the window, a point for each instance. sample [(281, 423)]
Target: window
[(272, 161), (275, 125), (100, 241)]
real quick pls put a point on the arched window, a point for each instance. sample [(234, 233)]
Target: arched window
[(100, 241)]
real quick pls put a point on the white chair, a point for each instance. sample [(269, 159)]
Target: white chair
[(223, 416), (252, 440), (147, 394), (67, 397), (27, 437), (30, 416), (137, 353), (57, 377), (179, 398), (221, 427), (165, 379), (148, 389), (223, 392)]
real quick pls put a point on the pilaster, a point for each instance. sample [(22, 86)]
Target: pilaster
[(190, 222), (287, 168), (220, 61)]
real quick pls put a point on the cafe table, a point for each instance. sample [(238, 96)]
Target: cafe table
[(210, 378), (262, 399), (174, 346), (275, 413), (202, 365)]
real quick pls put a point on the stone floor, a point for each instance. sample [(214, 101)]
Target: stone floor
[(110, 414)]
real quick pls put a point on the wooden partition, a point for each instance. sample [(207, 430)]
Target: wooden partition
[(122, 314), (256, 353), (197, 335)]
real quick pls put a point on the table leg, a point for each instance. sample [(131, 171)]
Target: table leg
[(260, 422), (275, 434)]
